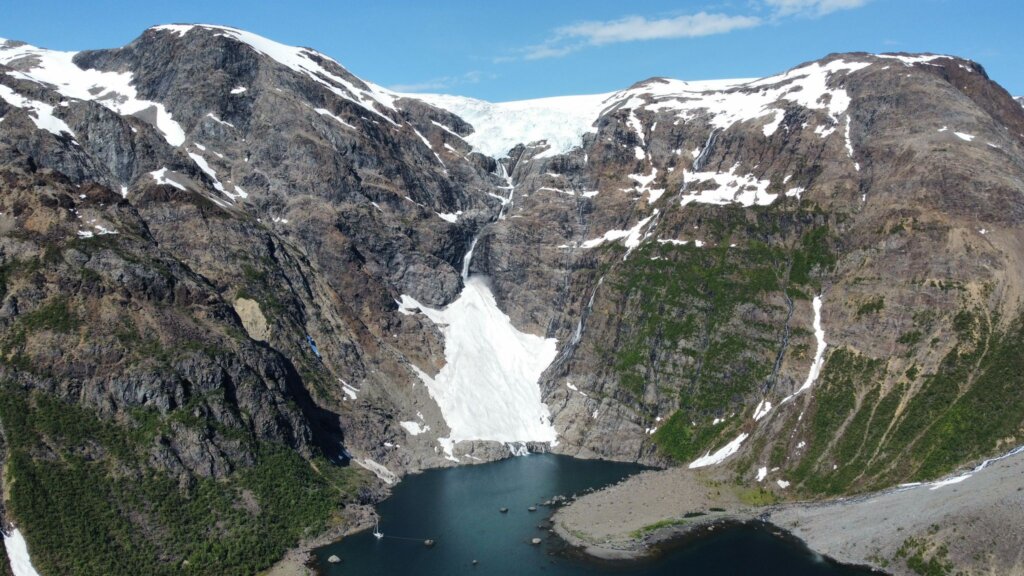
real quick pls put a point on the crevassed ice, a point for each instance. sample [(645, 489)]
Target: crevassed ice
[(498, 127)]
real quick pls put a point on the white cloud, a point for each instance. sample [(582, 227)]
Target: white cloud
[(575, 37), (568, 39), (811, 7), (639, 28)]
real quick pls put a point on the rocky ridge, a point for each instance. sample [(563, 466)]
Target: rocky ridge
[(261, 259)]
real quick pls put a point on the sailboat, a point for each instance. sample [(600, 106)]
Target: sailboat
[(376, 530)]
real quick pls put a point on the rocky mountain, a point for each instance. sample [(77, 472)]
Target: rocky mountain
[(237, 280), (1020, 99)]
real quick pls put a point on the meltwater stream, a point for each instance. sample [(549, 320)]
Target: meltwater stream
[(459, 509)]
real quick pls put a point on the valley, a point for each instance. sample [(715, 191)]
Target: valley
[(253, 306)]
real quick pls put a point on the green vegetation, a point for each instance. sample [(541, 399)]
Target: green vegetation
[(872, 306), (757, 497), (914, 551), (857, 441), (683, 441), (641, 532), (91, 504), (955, 426), (814, 253), (54, 315), (836, 405), (683, 301), (910, 338)]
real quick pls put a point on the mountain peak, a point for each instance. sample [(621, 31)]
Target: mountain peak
[(306, 61)]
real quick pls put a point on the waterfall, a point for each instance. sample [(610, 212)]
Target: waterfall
[(698, 162), (469, 257)]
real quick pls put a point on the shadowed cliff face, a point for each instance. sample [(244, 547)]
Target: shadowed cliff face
[(205, 235)]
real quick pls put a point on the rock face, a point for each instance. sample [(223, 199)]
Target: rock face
[(223, 265), (253, 320)]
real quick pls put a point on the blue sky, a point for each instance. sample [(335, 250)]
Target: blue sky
[(530, 48)]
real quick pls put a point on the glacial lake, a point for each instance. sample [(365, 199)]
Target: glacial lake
[(459, 509)]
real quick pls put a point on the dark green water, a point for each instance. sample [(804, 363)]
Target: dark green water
[(458, 508)]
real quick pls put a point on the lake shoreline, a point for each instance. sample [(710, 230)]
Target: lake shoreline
[(666, 540), (653, 513), (967, 520), (299, 561)]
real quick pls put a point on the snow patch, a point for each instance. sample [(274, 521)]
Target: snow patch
[(849, 144), (911, 60), (17, 553), (205, 167), (632, 235), (349, 390), (746, 190), (451, 217), (414, 428), (721, 454), (160, 176), (111, 89), (326, 112), (216, 119), (487, 389), (40, 112), (819, 353), (824, 131), (950, 481), (379, 470), (448, 447), (762, 473), (762, 409)]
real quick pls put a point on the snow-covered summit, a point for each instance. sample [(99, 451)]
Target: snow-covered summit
[(115, 90), (562, 121), (316, 65)]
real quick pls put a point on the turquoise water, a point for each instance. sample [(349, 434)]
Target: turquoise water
[(459, 509)]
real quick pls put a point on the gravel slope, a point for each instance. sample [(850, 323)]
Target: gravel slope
[(970, 522)]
